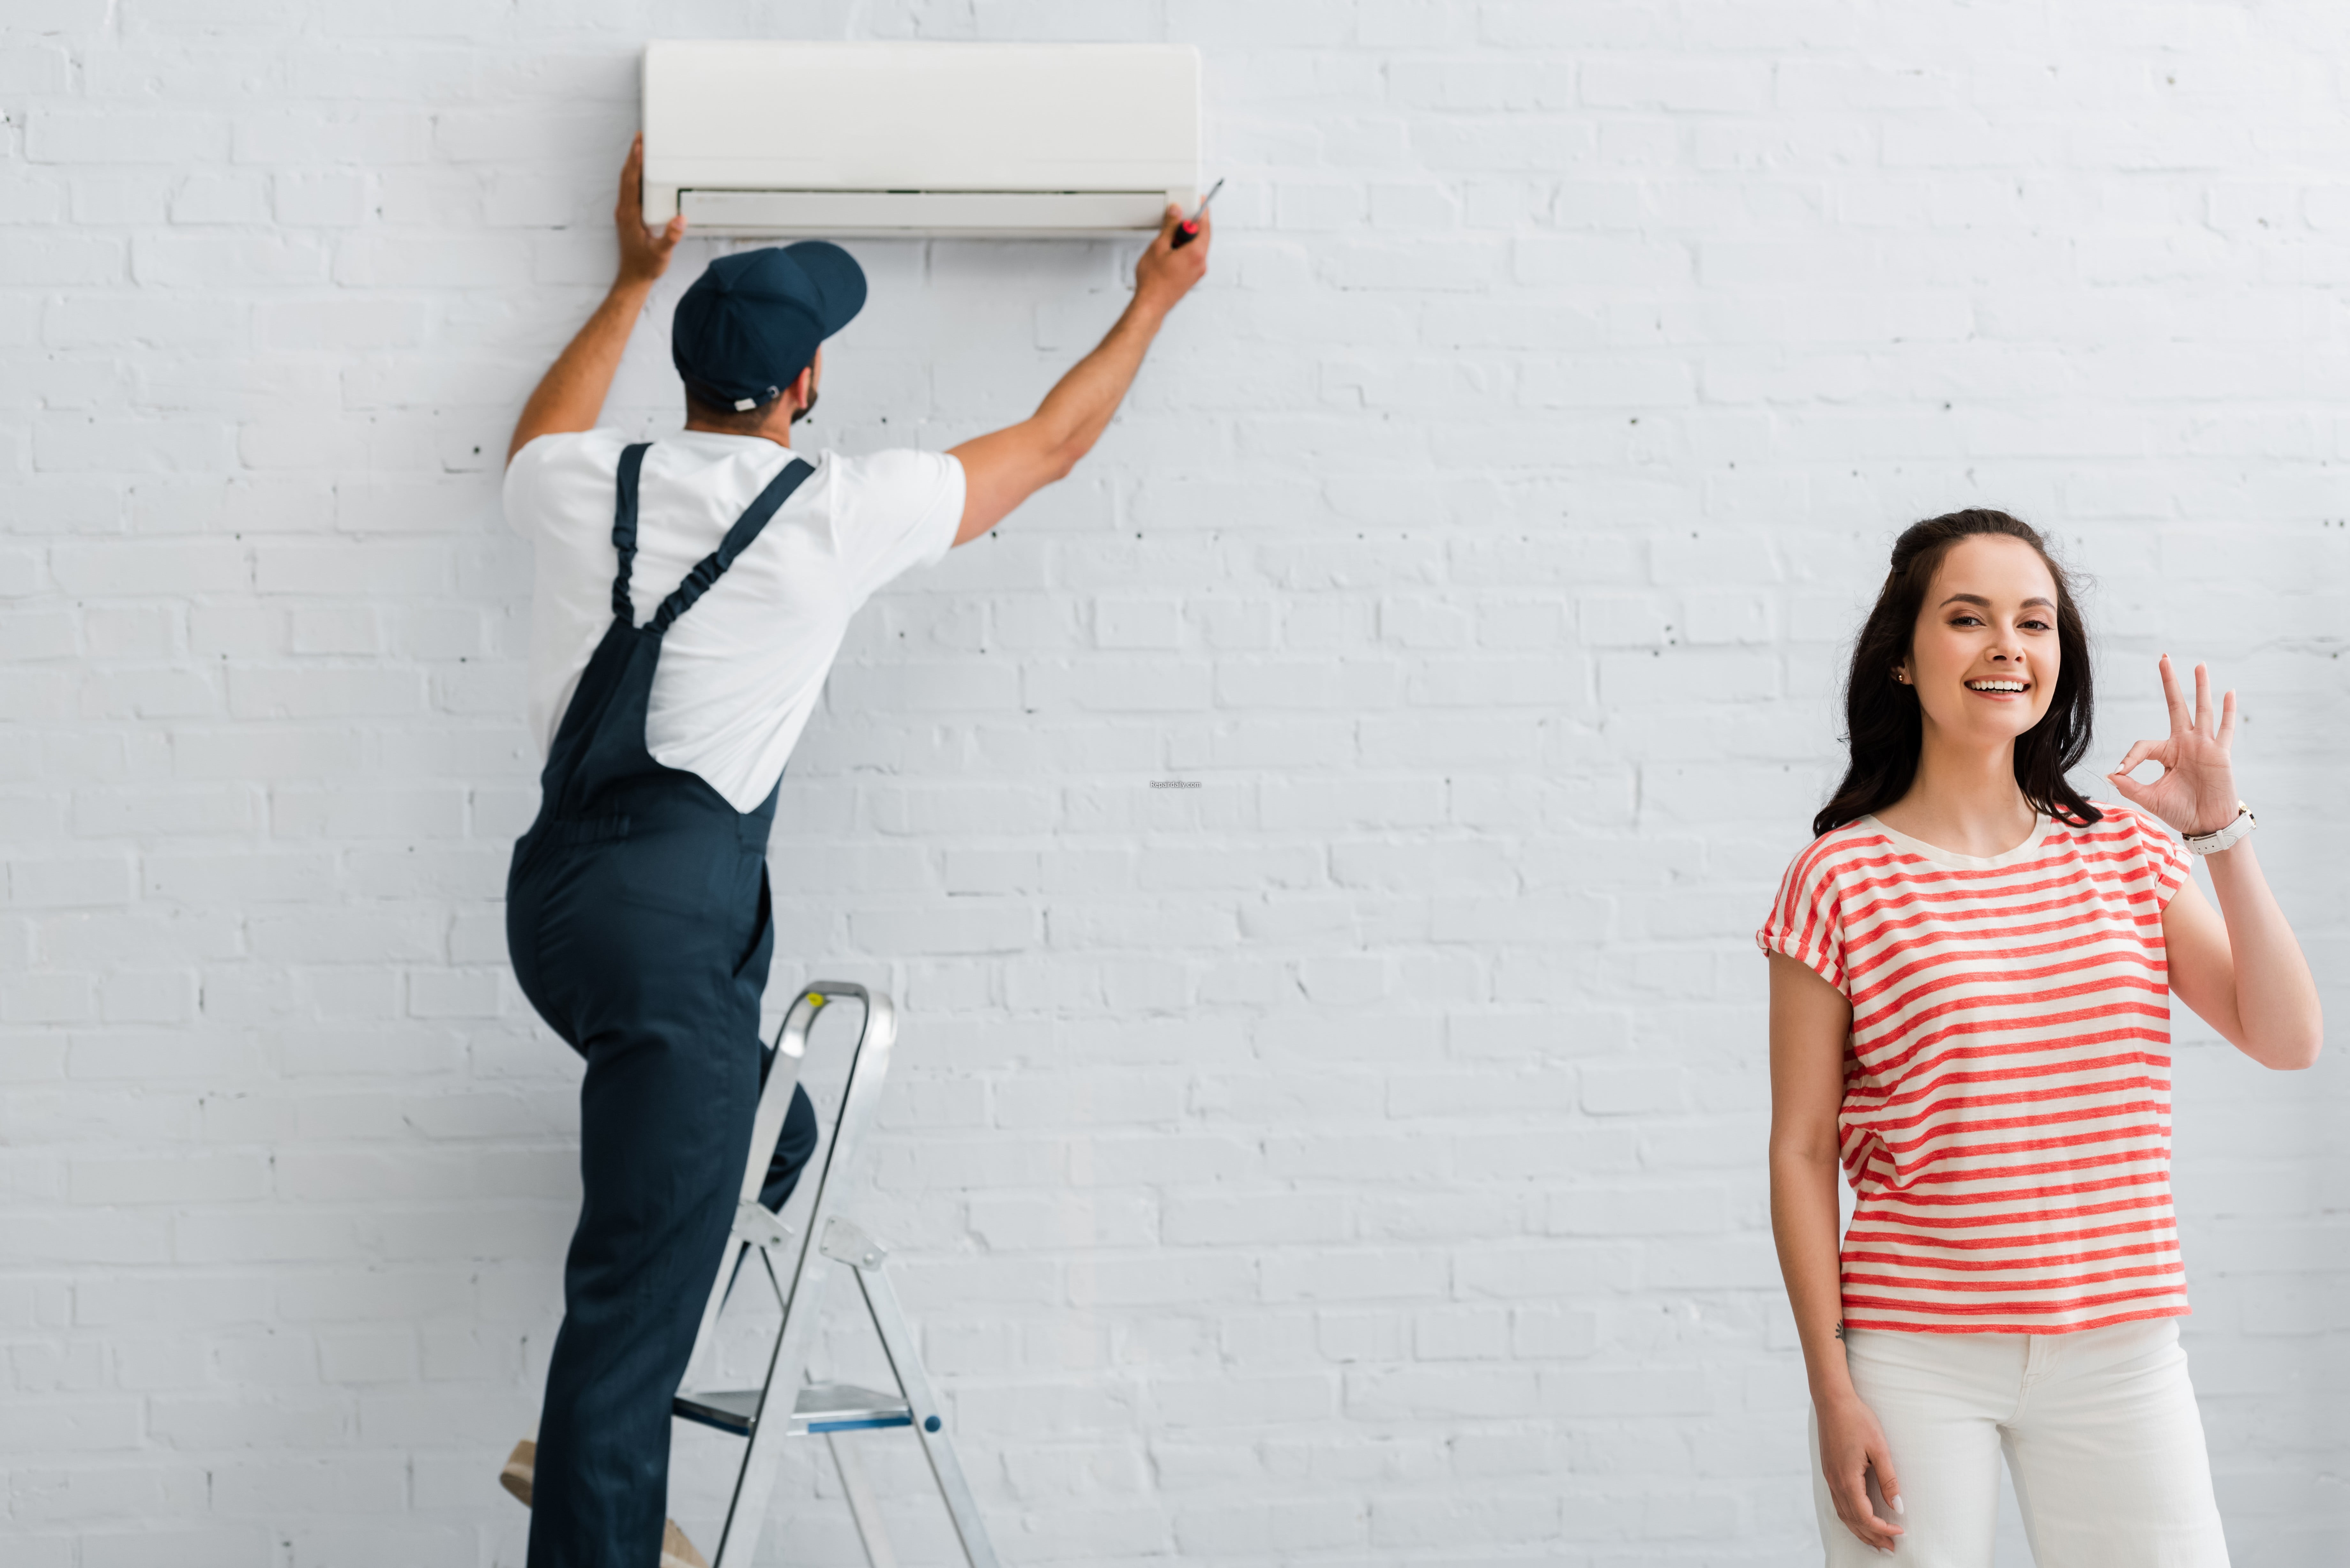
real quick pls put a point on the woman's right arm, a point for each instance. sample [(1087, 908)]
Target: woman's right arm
[(1810, 1019)]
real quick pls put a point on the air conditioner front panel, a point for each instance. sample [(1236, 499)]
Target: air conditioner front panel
[(937, 120)]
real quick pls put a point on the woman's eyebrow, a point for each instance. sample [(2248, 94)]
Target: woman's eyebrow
[(1979, 599)]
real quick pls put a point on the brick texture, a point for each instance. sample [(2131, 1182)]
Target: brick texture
[(1352, 1157)]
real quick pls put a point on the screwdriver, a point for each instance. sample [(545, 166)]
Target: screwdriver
[(1189, 229)]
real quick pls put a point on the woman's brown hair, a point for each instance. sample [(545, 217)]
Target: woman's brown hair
[(1884, 728)]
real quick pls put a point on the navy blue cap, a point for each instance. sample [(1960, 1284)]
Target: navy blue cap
[(751, 321)]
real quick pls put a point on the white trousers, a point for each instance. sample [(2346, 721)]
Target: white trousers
[(2102, 1438)]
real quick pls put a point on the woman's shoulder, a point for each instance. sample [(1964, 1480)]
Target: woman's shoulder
[(1853, 846), (2124, 829), (2118, 823)]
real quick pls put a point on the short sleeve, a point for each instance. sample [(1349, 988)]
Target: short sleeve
[(1805, 923), (529, 476), (900, 509), (2168, 859)]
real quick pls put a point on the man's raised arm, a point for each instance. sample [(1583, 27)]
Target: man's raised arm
[(570, 395), (1005, 467)]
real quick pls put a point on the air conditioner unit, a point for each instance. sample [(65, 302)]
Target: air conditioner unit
[(777, 139)]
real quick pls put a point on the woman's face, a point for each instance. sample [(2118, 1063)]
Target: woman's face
[(1983, 654)]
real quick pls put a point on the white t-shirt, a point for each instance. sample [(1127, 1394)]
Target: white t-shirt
[(741, 671)]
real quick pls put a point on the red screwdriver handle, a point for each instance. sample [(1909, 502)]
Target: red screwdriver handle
[(1189, 229)]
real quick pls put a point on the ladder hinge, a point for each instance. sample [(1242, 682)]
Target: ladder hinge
[(756, 1223), (844, 1241)]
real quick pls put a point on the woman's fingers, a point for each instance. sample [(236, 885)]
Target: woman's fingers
[(2142, 752), (1888, 1482), (2203, 725), (1850, 1492), (2174, 699), (2227, 719), (1864, 1524), (1851, 1495), (1852, 1451)]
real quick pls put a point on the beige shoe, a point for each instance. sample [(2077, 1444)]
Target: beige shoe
[(520, 1464), (677, 1551)]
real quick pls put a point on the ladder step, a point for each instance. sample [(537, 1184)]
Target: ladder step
[(821, 1407)]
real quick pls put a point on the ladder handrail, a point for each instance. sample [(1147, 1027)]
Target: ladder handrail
[(766, 1127), (869, 1067)]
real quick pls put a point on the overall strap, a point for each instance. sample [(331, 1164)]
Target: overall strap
[(713, 566), (624, 529)]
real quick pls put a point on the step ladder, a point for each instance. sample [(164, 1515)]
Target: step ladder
[(782, 1407)]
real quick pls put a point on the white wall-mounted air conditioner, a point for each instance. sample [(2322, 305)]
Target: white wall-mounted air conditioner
[(774, 139)]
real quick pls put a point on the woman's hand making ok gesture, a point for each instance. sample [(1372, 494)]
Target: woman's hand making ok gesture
[(2239, 968), (2197, 792)]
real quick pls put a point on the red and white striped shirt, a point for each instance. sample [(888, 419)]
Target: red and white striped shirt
[(2006, 1117)]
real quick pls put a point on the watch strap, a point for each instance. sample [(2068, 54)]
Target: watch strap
[(2225, 837)]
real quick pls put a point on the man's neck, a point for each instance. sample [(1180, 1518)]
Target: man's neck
[(781, 436)]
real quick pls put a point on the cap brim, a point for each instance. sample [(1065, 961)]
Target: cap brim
[(839, 280)]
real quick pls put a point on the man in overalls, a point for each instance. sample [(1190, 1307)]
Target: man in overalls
[(690, 595)]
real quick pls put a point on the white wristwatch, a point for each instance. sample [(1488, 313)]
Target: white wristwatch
[(2212, 842)]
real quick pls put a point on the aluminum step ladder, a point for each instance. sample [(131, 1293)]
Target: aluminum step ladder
[(782, 1407)]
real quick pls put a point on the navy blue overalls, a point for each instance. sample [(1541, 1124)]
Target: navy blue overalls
[(638, 920)]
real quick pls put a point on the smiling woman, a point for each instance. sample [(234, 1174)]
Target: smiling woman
[(1982, 555), (1971, 970)]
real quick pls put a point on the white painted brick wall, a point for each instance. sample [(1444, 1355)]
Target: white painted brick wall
[(1356, 1158)]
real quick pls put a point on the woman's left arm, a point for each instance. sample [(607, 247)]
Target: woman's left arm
[(2239, 968)]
